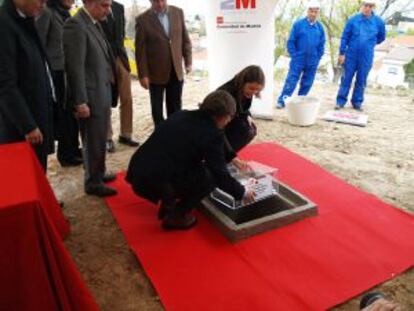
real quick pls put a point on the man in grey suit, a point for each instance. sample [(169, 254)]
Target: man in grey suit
[(90, 72)]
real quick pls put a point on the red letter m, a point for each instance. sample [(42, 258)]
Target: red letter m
[(245, 4)]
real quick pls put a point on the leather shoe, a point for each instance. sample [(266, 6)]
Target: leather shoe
[(108, 177), (110, 146), (75, 161), (128, 141), (164, 210), (101, 191), (178, 222)]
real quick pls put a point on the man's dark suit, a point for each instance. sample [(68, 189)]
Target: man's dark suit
[(184, 154), (25, 89), (114, 28), (50, 29)]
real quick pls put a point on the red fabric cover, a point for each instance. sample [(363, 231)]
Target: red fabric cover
[(36, 271), (355, 243)]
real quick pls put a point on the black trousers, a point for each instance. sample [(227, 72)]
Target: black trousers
[(66, 125), (239, 132), (182, 193), (173, 93), (186, 191)]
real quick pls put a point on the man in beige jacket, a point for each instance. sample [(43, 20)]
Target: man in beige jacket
[(162, 45)]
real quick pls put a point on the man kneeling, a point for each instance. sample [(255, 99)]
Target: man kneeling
[(184, 160)]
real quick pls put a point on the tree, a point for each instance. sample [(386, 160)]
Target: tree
[(131, 14), (393, 10), (409, 73)]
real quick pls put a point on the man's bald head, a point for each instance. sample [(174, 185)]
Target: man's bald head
[(99, 9)]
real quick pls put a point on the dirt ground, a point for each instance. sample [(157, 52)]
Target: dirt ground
[(378, 159)]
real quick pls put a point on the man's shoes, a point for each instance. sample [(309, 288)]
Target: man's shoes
[(128, 141), (360, 109), (280, 106), (108, 177), (75, 161), (178, 222), (338, 107), (164, 210), (369, 298), (110, 146), (100, 191)]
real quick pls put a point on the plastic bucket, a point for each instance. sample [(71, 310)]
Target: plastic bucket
[(302, 110)]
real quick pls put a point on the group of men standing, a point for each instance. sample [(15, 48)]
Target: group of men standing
[(306, 45), (61, 75)]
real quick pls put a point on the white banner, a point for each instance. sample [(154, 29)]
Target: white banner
[(241, 33)]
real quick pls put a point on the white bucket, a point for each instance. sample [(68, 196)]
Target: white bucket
[(302, 110)]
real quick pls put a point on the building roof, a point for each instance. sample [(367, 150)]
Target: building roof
[(407, 41), (402, 54), (390, 43)]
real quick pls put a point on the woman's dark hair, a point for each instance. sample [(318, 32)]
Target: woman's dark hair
[(250, 74), (219, 104)]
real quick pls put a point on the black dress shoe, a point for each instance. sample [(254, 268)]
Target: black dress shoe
[(109, 177), (178, 222), (128, 141), (101, 191), (164, 210), (71, 162), (110, 146), (369, 299)]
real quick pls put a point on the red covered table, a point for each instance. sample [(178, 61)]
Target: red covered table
[(36, 271)]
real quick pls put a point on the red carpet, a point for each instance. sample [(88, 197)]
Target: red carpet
[(355, 243)]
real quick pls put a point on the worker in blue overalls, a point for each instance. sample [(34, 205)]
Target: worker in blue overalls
[(362, 32), (306, 45)]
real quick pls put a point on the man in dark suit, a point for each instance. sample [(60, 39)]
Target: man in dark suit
[(50, 30), (184, 159), (91, 73), (26, 87), (161, 45), (114, 28)]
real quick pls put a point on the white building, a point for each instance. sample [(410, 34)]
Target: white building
[(404, 27), (390, 58), (392, 72)]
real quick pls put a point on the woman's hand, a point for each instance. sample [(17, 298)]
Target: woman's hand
[(250, 121), (241, 165)]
